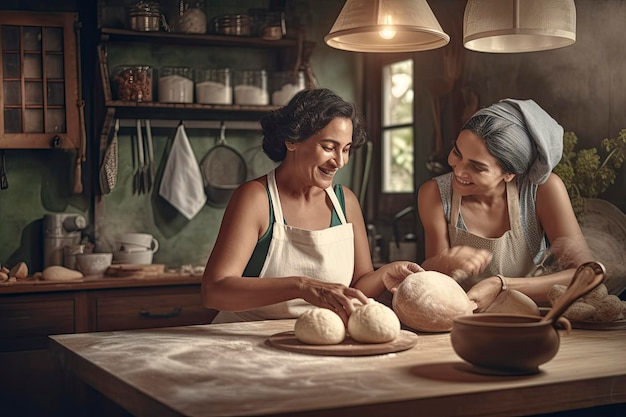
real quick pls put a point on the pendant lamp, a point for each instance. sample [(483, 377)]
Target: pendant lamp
[(386, 26), (502, 26)]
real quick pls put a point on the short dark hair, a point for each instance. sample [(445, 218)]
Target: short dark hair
[(308, 112)]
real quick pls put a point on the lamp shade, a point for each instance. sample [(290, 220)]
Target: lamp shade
[(503, 26), (386, 26)]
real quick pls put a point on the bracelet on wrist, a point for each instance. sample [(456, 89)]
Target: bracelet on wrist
[(504, 287)]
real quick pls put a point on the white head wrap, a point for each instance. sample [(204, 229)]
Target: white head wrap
[(538, 127)]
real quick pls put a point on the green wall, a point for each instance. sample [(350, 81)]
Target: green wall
[(40, 181)]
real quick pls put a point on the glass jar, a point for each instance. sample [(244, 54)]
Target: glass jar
[(144, 16), (285, 85), (237, 25), (176, 85), (133, 83), (267, 24), (192, 18), (213, 86), (251, 88)]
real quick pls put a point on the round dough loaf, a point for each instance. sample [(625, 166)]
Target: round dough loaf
[(373, 322), (319, 326), (429, 300)]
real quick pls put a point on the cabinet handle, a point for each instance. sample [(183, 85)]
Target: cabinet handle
[(56, 142), (175, 312)]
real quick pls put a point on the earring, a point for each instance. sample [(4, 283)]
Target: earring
[(290, 146)]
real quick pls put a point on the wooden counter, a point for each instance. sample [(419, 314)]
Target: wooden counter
[(229, 370)]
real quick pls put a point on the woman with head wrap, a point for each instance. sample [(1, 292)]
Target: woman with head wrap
[(292, 240), (488, 222)]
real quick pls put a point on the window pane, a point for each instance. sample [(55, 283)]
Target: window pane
[(398, 93), (11, 65), (32, 38), (398, 160)]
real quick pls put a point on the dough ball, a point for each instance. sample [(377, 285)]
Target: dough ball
[(320, 326), (597, 295), (555, 292), (429, 300), (373, 322), (579, 311), (609, 310)]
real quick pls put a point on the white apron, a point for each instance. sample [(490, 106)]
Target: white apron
[(327, 255), (511, 257)]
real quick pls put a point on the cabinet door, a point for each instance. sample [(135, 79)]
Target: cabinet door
[(27, 320), (149, 308), (39, 76)]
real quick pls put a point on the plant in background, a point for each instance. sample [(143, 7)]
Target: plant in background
[(584, 173)]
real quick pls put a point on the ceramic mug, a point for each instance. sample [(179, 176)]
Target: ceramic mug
[(135, 242)]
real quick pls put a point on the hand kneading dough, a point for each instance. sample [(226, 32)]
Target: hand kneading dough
[(428, 301), (319, 326), (373, 323)]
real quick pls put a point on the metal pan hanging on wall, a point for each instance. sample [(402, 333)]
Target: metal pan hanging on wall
[(223, 170)]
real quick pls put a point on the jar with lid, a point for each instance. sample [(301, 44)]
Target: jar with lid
[(285, 85), (144, 16), (251, 87), (133, 83), (267, 24), (176, 85), (187, 16), (236, 25), (213, 86)]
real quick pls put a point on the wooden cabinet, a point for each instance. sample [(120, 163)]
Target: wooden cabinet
[(139, 310), (32, 379), (39, 72)]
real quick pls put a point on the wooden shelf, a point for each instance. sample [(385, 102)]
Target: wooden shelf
[(125, 35), (191, 111)]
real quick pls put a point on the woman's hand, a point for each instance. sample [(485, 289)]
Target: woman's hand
[(333, 296), (395, 272), (484, 292), (463, 261)]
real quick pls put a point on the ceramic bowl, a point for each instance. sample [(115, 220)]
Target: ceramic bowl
[(94, 264), (506, 343)]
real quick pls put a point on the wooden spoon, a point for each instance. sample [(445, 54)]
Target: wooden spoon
[(588, 276)]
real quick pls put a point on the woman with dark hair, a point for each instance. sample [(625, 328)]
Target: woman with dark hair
[(291, 241), (488, 222)]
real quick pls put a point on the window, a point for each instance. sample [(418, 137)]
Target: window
[(397, 127)]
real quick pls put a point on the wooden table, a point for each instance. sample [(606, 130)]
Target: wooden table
[(229, 370)]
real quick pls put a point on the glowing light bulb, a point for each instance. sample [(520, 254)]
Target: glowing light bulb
[(387, 31)]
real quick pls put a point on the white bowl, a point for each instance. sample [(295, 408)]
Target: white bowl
[(136, 257), (94, 264)]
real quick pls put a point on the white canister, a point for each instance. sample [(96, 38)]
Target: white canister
[(176, 85), (213, 86), (251, 88), (285, 85)]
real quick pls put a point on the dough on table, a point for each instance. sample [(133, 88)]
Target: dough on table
[(320, 326), (429, 300), (373, 322)]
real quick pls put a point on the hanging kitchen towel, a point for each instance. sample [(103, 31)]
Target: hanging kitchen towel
[(182, 184)]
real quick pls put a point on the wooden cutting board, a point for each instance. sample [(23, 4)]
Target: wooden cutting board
[(349, 347), (134, 270)]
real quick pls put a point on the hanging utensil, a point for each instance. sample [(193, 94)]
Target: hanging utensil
[(4, 182), (140, 170), (108, 169), (223, 170), (150, 153)]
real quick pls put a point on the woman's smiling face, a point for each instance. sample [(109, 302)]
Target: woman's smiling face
[(323, 154), (476, 170)]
